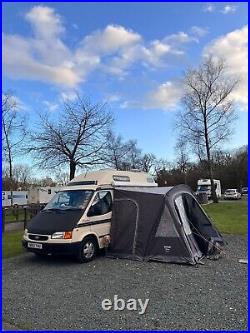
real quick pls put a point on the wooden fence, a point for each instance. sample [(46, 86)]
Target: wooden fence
[(19, 214)]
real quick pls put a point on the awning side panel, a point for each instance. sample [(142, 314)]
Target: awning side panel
[(123, 224), (135, 215)]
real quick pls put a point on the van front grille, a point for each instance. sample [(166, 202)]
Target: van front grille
[(38, 237)]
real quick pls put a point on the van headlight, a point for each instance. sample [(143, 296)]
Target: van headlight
[(58, 235), (62, 235)]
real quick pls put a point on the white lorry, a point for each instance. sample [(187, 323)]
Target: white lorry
[(204, 186), (77, 220), (19, 198), (41, 195)]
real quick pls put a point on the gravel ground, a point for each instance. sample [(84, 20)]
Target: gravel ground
[(57, 294)]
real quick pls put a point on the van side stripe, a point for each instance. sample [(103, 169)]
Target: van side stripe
[(87, 224)]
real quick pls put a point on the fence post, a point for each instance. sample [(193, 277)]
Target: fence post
[(17, 213), (3, 220), (25, 217)]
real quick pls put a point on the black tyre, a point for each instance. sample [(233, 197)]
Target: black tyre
[(88, 250)]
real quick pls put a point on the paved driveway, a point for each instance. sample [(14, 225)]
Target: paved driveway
[(56, 293)]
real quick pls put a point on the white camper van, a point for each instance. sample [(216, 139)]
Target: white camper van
[(19, 198), (204, 186), (41, 195), (77, 219)]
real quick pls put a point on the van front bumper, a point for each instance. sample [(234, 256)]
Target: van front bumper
[(54, 248)]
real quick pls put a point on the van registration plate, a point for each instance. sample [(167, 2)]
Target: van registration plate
[(35, 246)]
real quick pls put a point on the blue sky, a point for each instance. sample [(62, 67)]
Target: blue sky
[(130, 55)]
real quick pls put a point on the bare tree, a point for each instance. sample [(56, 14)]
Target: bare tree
[(76, 138), (126, 155), (13, 133), (115, 151), (22, 175), (198, 147), (147, 161), (133, 156), (208, 111), (161, 168), (182, 157), (43, 182), (62, 178)]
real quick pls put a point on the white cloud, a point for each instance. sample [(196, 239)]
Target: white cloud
[(113, 42), (19, 63), (209, 8), (114, 50), (233, 47), (152, 54), (180, 38), (229, 9), (21, 105), (51, 106), (18, 103), (112, 98), (111, 39), (165, 97), (68, 96), (43, 57), (199, 31), (46, 23), (125, 104), (46, 58), (124, 47)]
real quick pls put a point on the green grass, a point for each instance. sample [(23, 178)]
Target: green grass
[(11, 243), (229, 217), (10, 216)]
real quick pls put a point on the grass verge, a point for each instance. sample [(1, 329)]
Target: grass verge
[(229, 217), (11, 243)]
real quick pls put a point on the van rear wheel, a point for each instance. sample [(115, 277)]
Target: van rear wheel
[(88, 250)]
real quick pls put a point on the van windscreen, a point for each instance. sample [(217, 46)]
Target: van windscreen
[(70, 200)]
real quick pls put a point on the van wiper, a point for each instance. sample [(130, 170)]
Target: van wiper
[(72, 208), (52, 209)]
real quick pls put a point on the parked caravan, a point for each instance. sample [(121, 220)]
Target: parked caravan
[(204, 186), (41, 195), (19, 198), (77, 219)]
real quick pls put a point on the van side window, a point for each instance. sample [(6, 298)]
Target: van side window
[(102, 204)]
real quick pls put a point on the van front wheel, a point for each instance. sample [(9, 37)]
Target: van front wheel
[(88, 250)]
